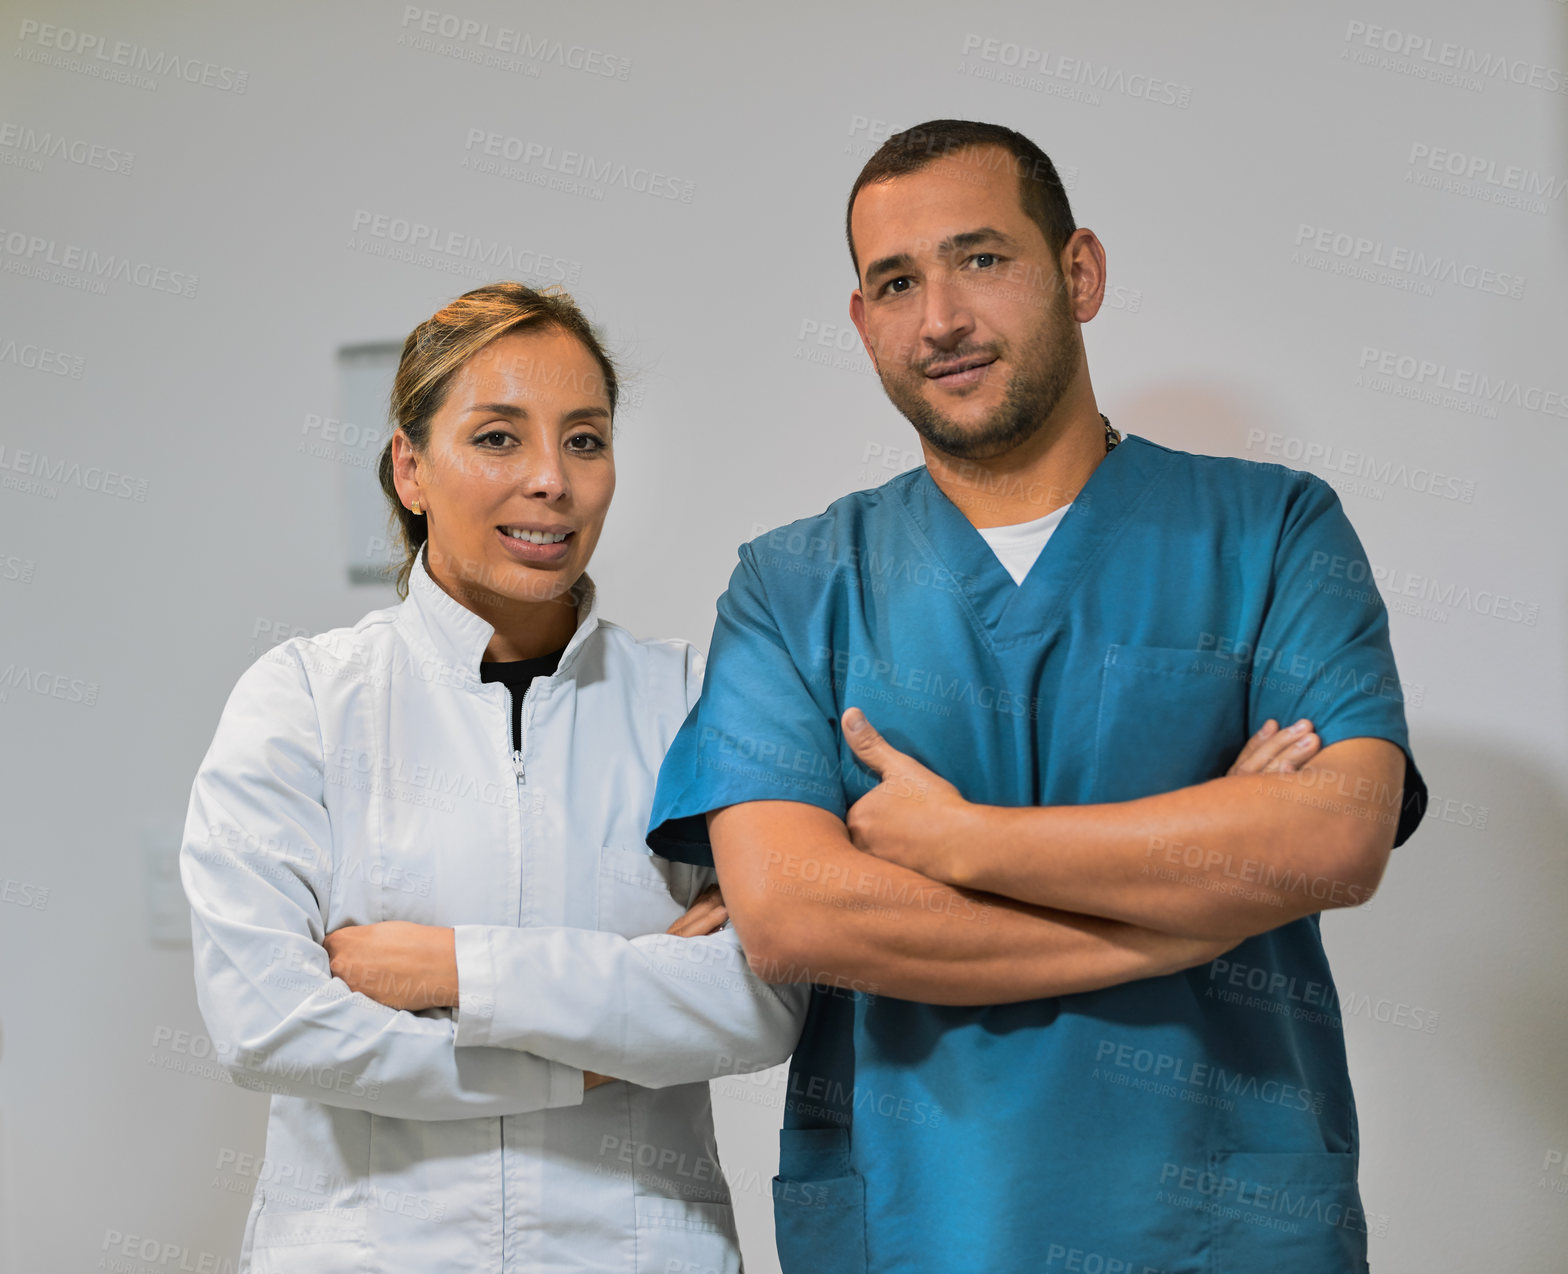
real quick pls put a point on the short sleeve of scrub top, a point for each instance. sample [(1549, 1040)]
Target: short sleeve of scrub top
[(1323, 648), (761, 731)]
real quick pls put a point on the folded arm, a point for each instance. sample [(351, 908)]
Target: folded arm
[(655, 1010), (1225, 859), (256, 865), (678, 1007), (810, 906)]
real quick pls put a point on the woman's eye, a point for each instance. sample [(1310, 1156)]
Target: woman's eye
[(585, 442), (494, 439)]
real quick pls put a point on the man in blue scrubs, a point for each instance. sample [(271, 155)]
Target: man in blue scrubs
[(1072, 1008)]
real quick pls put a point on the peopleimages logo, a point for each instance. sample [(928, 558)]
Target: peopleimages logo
[(1482, 178), (122, 61), (419, 243), (1411, 269), (595, 171), (1465, 382), (1420, 56), (22, 145), (35, 255), (1065, 75), (497, 46), (24, 469), (1187, 1077)]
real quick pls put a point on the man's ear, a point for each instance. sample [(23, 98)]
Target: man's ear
[(1082, 273), (857, 316)]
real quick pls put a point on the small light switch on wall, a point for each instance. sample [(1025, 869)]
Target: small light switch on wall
[(168, 913), (354, 442)]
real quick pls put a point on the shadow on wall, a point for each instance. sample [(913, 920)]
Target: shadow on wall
[(1475, 908), (1469, 921), (1208, 419), (1492, 902)]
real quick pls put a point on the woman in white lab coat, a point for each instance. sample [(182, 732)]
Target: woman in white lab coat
[(425, 916)]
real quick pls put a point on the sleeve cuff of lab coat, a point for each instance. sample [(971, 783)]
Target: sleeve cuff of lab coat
[(476, 1010), (566, 1085), (476, 990)]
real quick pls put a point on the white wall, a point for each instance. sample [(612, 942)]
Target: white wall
[(218, 530)]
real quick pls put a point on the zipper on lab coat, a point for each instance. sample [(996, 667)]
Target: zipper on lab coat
[(519, 770), (522, 731)]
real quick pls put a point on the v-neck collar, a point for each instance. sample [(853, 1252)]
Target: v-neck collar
[(1008, 614)]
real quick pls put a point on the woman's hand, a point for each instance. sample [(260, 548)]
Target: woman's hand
[(706, 915), (1275, 751), (399, 964), (410, 966)]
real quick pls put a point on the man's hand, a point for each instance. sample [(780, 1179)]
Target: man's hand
[(917, 819), (1275, 751), (914, 816), (397, 963)]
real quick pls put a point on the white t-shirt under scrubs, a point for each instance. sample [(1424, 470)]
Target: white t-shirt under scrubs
[(1018, 545)]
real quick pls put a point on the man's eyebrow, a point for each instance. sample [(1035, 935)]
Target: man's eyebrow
[(889, 265), (902, 261), (974, 238)]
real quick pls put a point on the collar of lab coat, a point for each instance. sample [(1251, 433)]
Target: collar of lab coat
[(459, 636)]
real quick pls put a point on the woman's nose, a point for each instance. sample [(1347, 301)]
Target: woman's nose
[(544, 476)]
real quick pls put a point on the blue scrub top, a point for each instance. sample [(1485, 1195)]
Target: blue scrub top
[(1199, 1123)]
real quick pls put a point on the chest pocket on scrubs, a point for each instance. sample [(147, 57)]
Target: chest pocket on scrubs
[(641, 893), (1168, 718)]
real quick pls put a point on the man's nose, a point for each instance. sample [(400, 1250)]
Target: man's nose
[(947, 319)]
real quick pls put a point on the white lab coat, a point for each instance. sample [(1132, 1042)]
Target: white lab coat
[(367, 774)]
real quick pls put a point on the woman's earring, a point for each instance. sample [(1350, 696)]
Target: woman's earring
[(416, 508)]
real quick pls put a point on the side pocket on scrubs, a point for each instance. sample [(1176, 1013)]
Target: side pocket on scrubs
[(1286, 1213), (819, 1204)]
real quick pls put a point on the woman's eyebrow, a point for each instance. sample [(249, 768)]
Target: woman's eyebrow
[(510, 410), (514, 412)]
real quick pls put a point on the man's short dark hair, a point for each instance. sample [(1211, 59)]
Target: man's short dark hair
[(1039, 188)]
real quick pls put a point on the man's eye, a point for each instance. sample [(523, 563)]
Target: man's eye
[(984, 259), (898, 285)]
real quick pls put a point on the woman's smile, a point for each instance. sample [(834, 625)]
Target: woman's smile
[(536, 545)]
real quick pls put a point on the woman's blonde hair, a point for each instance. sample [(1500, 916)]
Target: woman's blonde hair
[(443, 343)]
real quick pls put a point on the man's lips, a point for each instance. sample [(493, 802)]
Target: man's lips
[(963, 371)]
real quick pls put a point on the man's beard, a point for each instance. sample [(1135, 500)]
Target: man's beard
[(1042, 375)]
